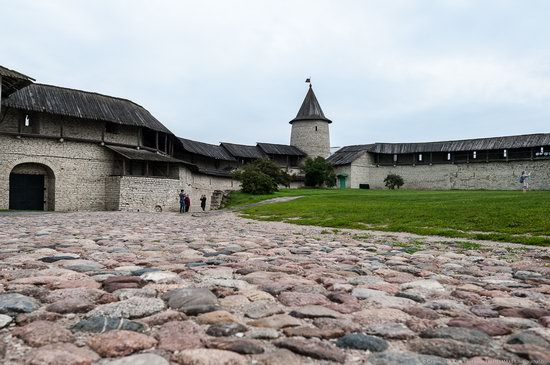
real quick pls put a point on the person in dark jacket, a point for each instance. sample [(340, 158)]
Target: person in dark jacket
[(187, 202), (203, 202), (182, 201)]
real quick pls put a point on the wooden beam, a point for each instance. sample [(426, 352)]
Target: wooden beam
[(123, 166), (146, 168), (165, 143), (157, 140)]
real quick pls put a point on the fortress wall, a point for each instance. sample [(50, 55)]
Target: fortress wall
[(79, 170), (150, 194), (479, 175)]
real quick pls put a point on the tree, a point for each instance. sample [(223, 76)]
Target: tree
[(319, 172), (261, 177), (393, 181)]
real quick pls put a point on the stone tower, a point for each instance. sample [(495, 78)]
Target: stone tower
[(310, 128)]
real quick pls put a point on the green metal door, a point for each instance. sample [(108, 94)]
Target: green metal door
[(342, 182)]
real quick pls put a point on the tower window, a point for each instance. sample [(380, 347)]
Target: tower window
[(475, 154), (27, 121), (315, 128), (449, 156), (420, 157), (505, 153)]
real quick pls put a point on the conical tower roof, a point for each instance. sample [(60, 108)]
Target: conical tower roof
[(310, 109)]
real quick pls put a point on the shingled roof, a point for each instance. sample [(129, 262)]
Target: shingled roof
[(478, 144), (13, 81), (348, 154), (83, 104), (205, 149), (310, 109), (280, 149), (242, 151)]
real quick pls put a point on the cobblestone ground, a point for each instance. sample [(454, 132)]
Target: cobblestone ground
[(153, 289)]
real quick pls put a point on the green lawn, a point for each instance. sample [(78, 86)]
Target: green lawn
[(508, 216)]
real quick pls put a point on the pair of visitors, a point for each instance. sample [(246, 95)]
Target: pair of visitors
[(203, 202), (524, 180)]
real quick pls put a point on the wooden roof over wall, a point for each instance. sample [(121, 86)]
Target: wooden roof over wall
[(13, 81), (478, 144), (280, 149), (83, 104), (205, 149), (242, 151)]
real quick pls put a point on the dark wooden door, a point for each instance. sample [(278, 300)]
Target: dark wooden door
[(26, 192)]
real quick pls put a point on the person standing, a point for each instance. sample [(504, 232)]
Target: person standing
[(524, 179), (203, 202), (187, 202), (182, 201)]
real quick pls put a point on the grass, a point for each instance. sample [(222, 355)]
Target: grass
[(506, 216)]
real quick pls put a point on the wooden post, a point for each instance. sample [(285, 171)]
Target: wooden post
[(146, 168), (157, 141), (123, 166), (139, 134), (531, 153), (165, 143), (103, 134), (431, 158), (0, 94), (168, 169)]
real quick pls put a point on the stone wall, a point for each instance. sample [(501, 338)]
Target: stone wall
[(313, 142), (79, 169), (479, 175), (150, 194)]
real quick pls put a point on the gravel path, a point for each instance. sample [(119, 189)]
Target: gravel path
[(213, 288)]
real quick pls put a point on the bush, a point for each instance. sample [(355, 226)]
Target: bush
[(319, 172), (393, 181), (261, 177)]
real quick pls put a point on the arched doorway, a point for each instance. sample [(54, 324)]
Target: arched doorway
[(32, 187)]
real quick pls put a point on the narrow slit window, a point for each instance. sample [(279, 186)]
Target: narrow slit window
[(420, 157), (315, 128)]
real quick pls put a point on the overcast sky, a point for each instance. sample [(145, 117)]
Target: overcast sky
[(383, 70)]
